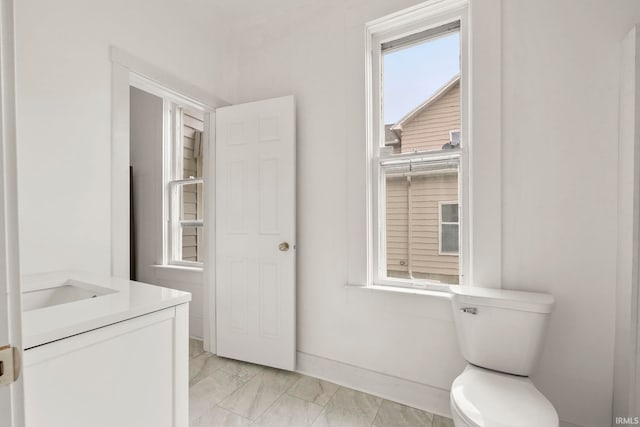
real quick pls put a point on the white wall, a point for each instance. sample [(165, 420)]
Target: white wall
[(63, 105), (145, 157), (560, 177), (560, 94)]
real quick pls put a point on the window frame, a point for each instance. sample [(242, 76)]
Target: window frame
[(441, 223), (172, 180), (431, 15)]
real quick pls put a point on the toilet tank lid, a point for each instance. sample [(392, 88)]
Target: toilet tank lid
[(515, 300)]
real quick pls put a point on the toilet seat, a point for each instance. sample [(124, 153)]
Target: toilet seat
[(484, 398)]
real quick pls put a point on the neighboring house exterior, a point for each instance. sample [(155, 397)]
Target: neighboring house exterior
[(422, 210)]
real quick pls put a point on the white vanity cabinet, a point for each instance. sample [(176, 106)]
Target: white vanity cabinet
[(128, 368)]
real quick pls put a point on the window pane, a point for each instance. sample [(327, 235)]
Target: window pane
[(191, 202), (421, 102), (450, 212), (191, 243), (192, 128), (450, 240), (187, 221), (455, 138), (412, 225), (397, 227), (191, 211)]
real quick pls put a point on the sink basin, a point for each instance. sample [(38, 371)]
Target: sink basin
[(66, 292)]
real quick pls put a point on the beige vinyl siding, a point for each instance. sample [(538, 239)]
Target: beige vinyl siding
[(397, 226), (192, 197), (425, 261), (429, 129)]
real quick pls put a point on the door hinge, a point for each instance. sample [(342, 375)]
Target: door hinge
[(9, 364)]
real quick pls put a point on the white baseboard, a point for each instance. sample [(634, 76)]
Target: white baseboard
[(406, 392)]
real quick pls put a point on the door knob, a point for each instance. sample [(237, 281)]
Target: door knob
[(284, 246)]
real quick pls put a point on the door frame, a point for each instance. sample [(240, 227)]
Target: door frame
[(9, 250), (626, 379), (128, 70)]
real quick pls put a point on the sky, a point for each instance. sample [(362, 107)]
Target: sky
[(413, 74)]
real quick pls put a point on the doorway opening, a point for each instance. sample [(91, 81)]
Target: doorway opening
[(192, 246), (137, 83), (167, 185), (168, 147)]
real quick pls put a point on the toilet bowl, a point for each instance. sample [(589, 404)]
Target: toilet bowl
[(484, 398), (500, 333)]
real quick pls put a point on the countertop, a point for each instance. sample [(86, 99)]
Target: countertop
[(131, 299)]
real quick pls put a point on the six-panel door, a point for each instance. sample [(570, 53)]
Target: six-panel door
[(255, 232)]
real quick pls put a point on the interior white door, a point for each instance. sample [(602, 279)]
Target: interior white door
[(11, 395), (255, 232)]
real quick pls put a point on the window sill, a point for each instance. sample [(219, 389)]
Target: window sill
[(173, 267), (444, 293)]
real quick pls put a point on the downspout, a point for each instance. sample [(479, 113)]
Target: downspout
[(409, 227)]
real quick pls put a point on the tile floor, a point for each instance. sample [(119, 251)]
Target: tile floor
[(229, 393)]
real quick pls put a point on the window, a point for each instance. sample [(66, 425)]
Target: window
[(454, 138), (184, 185), (417, 151), (449, 228)]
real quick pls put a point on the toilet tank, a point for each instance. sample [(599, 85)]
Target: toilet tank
[(500, 329)]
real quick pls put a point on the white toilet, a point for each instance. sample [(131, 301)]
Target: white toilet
[(500, 334)]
